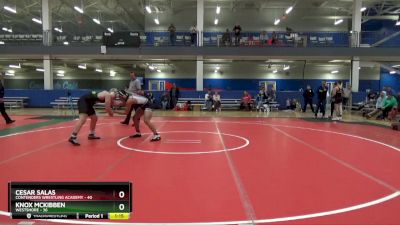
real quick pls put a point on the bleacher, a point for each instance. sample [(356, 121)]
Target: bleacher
[(226, 104), (70, 103), (16, 102)]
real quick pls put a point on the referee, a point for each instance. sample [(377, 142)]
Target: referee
[(134, 88), (2, 107)]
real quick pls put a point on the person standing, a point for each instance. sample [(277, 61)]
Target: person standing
[(193, 35), (217, 101), (2, 107), (321, 94), (236, 30), (134, 88), (308, 95), (333, 99), (172, 34), (347, 97), (338, 100), (174, 95)]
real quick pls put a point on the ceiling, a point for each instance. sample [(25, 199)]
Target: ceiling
[(131, 14)]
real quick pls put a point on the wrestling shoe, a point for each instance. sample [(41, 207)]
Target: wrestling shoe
[(93, 137), (137, 135), (74, 141), (156, 137)]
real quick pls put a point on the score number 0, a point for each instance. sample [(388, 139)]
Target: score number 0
[(121, 206)]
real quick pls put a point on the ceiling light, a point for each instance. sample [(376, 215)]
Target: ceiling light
[(334, 71), (275, 71), (2, 43), (277, 21), (66, 43), (78, 9), (148, 9), (288, 10), (151, 67), (11, 71), (337, 22), (396, 66), (8, 8), (6, 29), (392, 72), (58, 29), (217, 68), (215, 71), (16, 66), (112, 73), (36, 20), (110, 29), (96, 20), (218, 9), (159, 71), (216, 21), (40, 69), (359, 68), (398, 23), (82, 66), (156, 21), (99, 70), (286, 67), (60, 74), (363, 9), (60, 71)]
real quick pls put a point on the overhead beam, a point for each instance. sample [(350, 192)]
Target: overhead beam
[(386, 39)]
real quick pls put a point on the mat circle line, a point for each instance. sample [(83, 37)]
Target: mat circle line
[(247, 142)]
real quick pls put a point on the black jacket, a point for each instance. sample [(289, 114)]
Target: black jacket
[(322, 93), (1, 90), (308, 94)]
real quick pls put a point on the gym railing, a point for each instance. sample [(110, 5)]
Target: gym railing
[(220, 39)]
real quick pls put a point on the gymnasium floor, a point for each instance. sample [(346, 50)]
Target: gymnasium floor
[(229, 168)]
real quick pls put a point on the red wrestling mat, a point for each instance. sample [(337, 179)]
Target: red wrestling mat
[(223, 171), (20, 121)]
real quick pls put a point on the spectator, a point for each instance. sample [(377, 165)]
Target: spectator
[(246, 101), (321, 94), (378, 106), (226, 38), (193, 35), (172, 34), (333, 99), (347, 96), (308, 95), (388, 105), (293, 104), (395, 110), (274, 38), (338, 101), (174, 95), (261, 98), (263, 37), (372, 95), (236, 31), (149, 95), (208, 100), (288, 103), (133, 88), (217, 101), (2, 107), (165, 99), (188, 106)]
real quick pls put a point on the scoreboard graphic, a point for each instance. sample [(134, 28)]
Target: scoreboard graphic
[(70, 200)]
